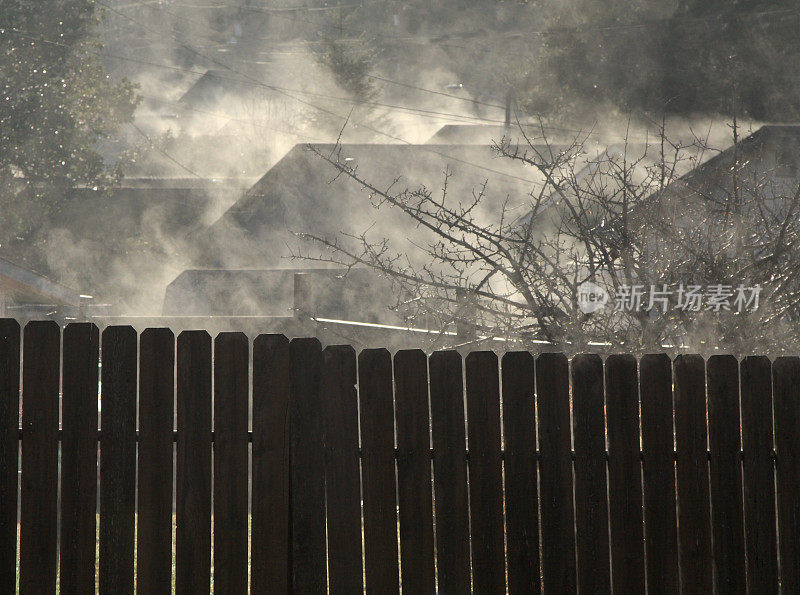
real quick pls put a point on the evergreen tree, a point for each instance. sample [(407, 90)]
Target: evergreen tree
[(56, 105)]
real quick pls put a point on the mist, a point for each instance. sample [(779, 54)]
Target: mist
[(259, 136)]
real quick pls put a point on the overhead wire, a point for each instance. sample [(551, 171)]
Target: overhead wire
[(345, 119), (349, 100), (255, 82), (288, 92), (163, 152)]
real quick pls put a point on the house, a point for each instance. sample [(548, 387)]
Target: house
[(243, 266), (481, 134), (761, 171), (25, 294), (767, 162), (122, 245), (302, 193), (278, 293)]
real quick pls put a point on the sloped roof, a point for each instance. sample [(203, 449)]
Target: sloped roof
[(750, 149), (758, 155), (302, 193), (477, 134), (332, 293), (214, 85), (25, 286), (120, 245)]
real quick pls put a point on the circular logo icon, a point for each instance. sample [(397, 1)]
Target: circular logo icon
[(591, 297)]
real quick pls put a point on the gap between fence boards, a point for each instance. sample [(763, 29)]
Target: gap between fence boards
[(397, 451)]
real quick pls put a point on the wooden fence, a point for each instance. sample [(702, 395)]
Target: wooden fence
[(617, 474)]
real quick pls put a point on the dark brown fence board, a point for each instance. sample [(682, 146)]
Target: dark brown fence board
[(193, 473), (522, 502), (450, 472), (414, 472), (38, 516), (485, 472), (591, 507), (694, 514), (555, 473), (309, 564), (726, 474), (703, 517), (658, 473), (758, 474), (624, 475), (79, 458), (377, 470), (342, 481), (270, 538), (786, 399), (231, 394), (118, 459), (155, 452), (9, 451)]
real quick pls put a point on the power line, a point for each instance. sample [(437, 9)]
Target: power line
[(473, 101), (284, 91), (164, 153), (229, 118), (267, 9), (254, 82), (287, 93), (374, 103), (345, 119)]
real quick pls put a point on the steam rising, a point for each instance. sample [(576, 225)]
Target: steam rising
[(215, 120)]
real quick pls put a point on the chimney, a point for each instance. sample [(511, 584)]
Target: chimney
[(509, 101), (302, 296)]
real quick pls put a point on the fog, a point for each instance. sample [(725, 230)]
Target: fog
[(257, 125)]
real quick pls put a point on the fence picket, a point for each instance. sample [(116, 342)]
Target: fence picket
[(377, 464), (270, 540), (726, 474), (118, 459), (694, 521), (555, 473), (309, 563), (591, 508), (231, 394), (658, 473), (414, 472), (193, 468), (711, 503), (154, 485), (79, 458), (342, 482), (450, 471), (522, 503), (9, 451), (786, 386), (624, 475), (758, 474), (485, 472), (39, 515)]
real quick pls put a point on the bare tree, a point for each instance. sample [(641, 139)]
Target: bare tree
[(698, 261)]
